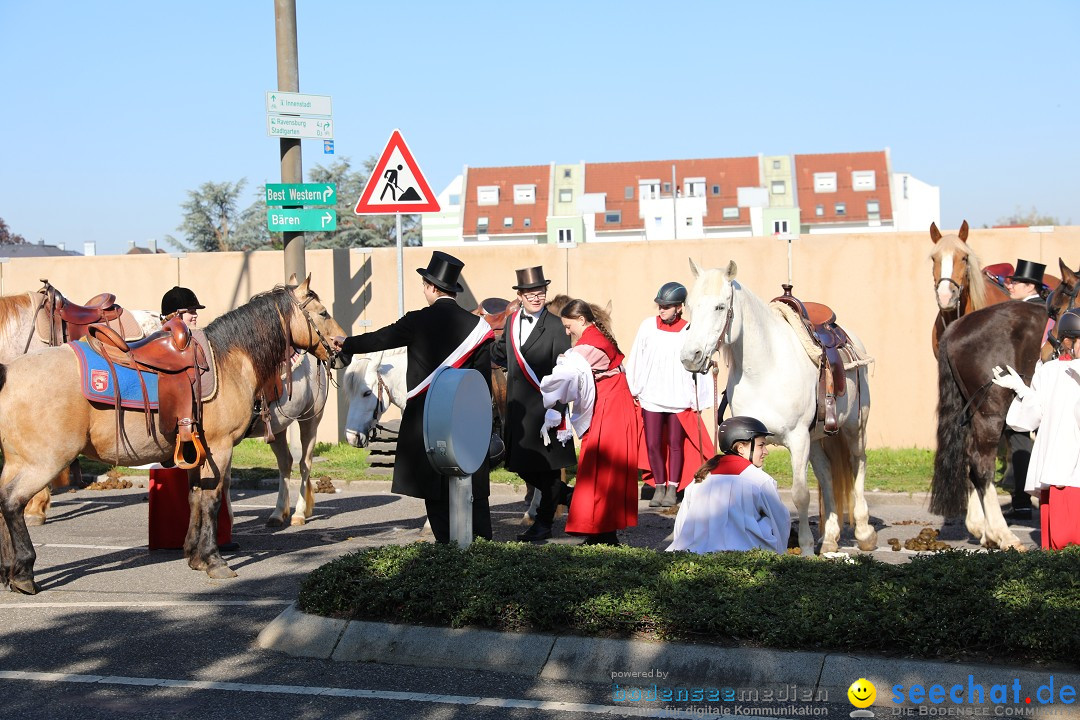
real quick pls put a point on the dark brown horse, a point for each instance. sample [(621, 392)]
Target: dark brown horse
[(971, 409), (248, 346)]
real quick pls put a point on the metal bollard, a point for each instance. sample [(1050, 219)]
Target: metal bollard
[(461, 510)]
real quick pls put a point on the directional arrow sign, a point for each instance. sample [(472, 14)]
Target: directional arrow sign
[(291, 126), (286, 103), (301, 194), (301, 220)]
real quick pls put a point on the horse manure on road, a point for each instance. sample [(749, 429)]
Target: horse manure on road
[(111, 483), (926, 540), (325, 485)]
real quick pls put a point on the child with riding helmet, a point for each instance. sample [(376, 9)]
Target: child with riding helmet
[(669, 397), (1051, 405), (733, 504)]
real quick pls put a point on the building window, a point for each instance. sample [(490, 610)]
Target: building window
[(863, 180), (629, 192), (731, 213), (613, 218), (527, 222), (481, 226), (566, 195), (508, 222), (825, 182), (566, 236), (566, 173), (873, 210), (715, 190), (658, 221), (694, 188), (524, 194), (779, 226), (820, 211), (779, 187), (775, 164), (667, 187), (487, 195), (454, 200), (841, 208), (689, 222)]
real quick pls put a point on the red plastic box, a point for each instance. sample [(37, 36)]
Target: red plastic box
[(169, 511)]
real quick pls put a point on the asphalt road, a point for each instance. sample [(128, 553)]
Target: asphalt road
[(120, 631)]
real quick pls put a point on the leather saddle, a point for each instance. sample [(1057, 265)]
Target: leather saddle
[(179, 363), (820, 323), (60, 320)]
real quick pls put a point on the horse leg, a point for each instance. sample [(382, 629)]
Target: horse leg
[(865, 534), (306, 501), (36, 509), (830, 532), (995, 531), (975, 520), (200, 546), (18, 485), (280, 446), (800, 493)]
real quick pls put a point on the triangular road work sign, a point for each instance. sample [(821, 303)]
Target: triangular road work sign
[(396, 184)]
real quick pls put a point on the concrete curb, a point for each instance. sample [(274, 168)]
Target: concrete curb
[(628, 663)]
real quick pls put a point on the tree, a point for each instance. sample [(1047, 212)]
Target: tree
[(7, 237), (1031, 217), (210, 218)]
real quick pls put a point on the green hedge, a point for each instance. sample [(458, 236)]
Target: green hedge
[(954, 604)]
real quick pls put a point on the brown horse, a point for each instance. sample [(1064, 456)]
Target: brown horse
[(32, 321), (971, 409), (248, 346)]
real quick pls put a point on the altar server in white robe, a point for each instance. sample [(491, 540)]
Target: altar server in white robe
[(735, 506)]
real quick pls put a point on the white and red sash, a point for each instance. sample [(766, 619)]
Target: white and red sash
[(515, 333), (480, 334)]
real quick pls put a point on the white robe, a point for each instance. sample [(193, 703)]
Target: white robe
[(656, 375), (732, 512), (1051, 406)]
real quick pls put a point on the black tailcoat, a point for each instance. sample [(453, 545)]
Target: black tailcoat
[(430, 334)]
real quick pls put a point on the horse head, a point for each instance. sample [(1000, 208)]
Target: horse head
[(710, 307), (1061, 299), (312, 327), (365, 407), (956, 268)]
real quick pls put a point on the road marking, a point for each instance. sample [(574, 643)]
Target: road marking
[(550, 705), (88, 547), (145, 604)]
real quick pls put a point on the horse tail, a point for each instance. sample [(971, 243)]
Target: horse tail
[(843, 476), (948, 490)]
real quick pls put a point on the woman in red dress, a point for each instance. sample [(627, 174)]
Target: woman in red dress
[(590, 376)]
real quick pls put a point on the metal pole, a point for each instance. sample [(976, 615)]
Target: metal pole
[(400, 270), (288, 75), (789, 260), (461, 502), (674, 205)]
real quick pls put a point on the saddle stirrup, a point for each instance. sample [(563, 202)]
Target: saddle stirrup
[(192, 442)]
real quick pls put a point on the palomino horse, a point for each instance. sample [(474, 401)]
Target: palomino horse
[(971, 409), (959, 283), (248, 346), (28, 323), (772, 378)]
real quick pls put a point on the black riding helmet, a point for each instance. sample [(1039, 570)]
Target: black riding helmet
[(1068, 325), (740, 428), (671, 293)]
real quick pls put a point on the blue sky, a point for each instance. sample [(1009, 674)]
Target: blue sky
[(113, 110)]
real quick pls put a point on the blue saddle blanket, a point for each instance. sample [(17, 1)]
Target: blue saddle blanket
[(97, 380)]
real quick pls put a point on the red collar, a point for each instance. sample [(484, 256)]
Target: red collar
[(731, 465), (673, 327)]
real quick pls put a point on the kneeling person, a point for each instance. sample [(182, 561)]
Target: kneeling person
[(733, 504)]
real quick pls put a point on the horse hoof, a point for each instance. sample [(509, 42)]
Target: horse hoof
[(26, 586), (197, 564), (34, 520), (221, 572), (298, 520), (275, 521), (828, 546), (868, 544)]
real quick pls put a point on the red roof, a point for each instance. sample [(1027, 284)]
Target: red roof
[(729, 173), (505, 178), (843, 164)]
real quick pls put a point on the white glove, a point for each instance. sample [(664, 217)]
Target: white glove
[(552, 419), (1010, 381)]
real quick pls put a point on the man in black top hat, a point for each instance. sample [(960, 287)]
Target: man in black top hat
[(443, 333), (1026, 284), (181, 301), (531, 341)]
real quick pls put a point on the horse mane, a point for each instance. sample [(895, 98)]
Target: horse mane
[(975, 284), (258, 330), (12, 310)]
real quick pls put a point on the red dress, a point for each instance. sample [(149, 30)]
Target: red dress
[(606, 490)]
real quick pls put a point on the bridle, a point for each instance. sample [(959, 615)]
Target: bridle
[(957, 306), (1054, 312), (380, 406), (331, 354)]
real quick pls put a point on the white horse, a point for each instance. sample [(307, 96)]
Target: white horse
[(373, 382), (772, 379)]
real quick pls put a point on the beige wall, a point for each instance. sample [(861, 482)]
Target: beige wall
[(879, 284)]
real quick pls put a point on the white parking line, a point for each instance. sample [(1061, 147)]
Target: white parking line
[(29, 604), (88, 547), (549, 705)]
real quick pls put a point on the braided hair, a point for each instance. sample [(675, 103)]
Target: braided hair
[(592, 314)]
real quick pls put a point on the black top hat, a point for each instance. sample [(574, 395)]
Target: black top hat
[(529, 278), (179, 298), (443, 271), (1029, 272)]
